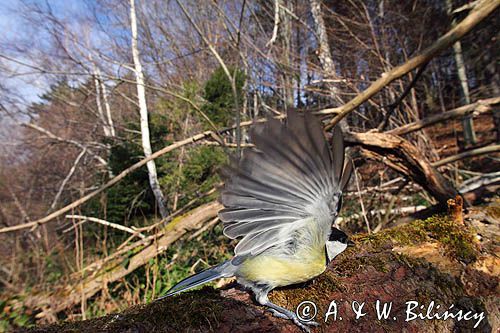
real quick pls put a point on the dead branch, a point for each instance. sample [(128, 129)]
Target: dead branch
[(479, 181), (468, 153), (405, 158), (478, 14), (479, 107)]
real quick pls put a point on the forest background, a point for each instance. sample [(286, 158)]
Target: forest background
[(89, 89)]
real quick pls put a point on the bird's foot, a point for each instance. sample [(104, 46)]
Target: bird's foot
[(293, 317)]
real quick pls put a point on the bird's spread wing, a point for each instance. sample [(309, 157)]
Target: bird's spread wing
[(290, 177)]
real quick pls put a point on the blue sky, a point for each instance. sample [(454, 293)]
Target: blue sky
[(13, 28)]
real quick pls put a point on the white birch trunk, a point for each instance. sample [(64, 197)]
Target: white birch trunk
[(141, 95), (106, 105), (100, 111), (324, 54)]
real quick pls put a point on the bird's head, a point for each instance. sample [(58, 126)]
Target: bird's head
[(337, 243)]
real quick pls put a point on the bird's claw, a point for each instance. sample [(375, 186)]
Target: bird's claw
[(293, 317)]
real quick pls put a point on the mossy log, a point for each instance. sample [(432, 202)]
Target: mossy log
[(436, 259)]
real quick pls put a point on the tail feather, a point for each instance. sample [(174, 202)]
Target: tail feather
[(196, 280)]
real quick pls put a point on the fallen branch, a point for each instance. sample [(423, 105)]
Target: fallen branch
[(466, 154), (479, 107), (405, 158), (479, 181), (71, 295), (478, 14)]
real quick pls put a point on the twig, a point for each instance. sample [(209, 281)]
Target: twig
[(106, 223), (397, 211), (476, 182), (67, 178), (58, 138), (391, 107), (361, 202)]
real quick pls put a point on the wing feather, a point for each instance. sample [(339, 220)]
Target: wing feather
[(290, 177)]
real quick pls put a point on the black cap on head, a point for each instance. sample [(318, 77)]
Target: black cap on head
[(338, 235)]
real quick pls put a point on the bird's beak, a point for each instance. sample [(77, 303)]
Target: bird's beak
[(350, 243)]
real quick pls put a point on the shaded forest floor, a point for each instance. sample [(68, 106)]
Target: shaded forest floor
[(437, 259)]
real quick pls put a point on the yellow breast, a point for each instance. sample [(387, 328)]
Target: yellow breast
[(282, 271)]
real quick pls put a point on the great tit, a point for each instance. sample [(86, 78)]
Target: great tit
[(281, 198)]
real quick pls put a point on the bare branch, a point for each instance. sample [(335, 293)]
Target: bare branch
[(478, 107), (106, 223), (478, 14), (58, 138), (468, 153), (67, 178)]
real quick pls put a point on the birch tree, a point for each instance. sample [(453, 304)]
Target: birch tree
[(143, 110), (325, 55)]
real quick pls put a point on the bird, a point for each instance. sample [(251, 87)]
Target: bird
[(281, 200)]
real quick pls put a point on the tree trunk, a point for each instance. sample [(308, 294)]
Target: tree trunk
[(106, 105), (467, 123), (143, 109), (325, 55), (100, 111)]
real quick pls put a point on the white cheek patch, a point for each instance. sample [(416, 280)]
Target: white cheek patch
[(334, 248)]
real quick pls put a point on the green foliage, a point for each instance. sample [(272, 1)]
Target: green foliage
[(132, 196), (184, 258), (219, 95), (197, 175), (14, 315)]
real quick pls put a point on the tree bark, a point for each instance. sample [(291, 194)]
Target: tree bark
[(143, 109)]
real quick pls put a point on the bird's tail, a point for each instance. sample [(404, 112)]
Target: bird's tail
[(210, 274)]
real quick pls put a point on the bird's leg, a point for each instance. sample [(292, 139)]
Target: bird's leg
[(280, 312)]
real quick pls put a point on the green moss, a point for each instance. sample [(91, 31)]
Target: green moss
[(458, 241)]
